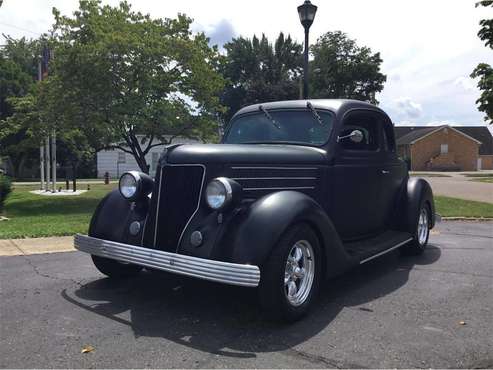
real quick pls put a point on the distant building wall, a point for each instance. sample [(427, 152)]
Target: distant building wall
[(486, 162), (116, 161), (428, 152)]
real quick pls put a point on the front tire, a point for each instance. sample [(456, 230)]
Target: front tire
[(422, 233), (115, 269), (290, 278)]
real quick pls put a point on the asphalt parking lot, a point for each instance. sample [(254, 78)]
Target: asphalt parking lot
[(429, 311)]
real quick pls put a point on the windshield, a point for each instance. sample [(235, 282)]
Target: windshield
[(281, 126)]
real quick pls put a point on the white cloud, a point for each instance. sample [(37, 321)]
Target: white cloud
[(409, 107), (428, 47), (466, 83)]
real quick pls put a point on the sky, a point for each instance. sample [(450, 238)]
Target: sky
[(428, 47)]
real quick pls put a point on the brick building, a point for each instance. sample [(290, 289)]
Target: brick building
[(446, 148)]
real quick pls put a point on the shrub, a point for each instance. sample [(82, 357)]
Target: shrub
[(5, 189)]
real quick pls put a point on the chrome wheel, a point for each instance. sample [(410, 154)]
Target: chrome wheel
[(423, 226), (299, 273)]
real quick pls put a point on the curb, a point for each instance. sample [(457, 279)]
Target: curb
[(467, 219)]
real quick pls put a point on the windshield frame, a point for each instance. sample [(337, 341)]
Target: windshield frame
[(294, 109)]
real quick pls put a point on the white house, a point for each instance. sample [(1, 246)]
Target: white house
[(116, 161)]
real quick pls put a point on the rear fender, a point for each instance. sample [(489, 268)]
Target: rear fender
[(418, 190)]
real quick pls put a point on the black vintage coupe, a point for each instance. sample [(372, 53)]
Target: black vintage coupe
[(297, 192)]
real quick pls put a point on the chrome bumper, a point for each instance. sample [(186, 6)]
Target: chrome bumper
[(223, 272)]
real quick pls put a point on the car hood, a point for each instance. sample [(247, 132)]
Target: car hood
[(245, 153)]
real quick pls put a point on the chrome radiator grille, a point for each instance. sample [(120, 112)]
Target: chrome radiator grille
[(173, 204)]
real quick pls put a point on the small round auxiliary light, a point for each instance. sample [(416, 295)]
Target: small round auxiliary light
[(134, 228), (196, 238)]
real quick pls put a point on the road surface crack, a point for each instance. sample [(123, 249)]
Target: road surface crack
[(47, 276)]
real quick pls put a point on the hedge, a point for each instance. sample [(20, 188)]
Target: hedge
[(5, 189)]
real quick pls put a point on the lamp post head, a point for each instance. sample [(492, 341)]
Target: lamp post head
[(307, 11)]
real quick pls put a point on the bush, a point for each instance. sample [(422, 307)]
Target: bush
[(5, 189)]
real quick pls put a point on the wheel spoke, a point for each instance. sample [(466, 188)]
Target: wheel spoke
[(298, 254), (292, 289), (299, 272)]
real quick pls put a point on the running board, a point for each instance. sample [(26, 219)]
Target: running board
[(385, 251), (371, 248)]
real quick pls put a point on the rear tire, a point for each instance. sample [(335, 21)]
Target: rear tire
[(115, 269), (422, 233), (290, 277)]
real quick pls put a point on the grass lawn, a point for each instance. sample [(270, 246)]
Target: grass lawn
[(428, 174), (483, 179), (34, 215), (453, 207), (490, 175)]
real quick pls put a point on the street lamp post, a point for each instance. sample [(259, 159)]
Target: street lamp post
[(306, 11)]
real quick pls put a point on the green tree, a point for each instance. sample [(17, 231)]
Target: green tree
[(258, 71), (483, 71), (342, 69), (18, 72), (129, 81)]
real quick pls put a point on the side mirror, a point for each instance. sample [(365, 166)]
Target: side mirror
[(356, 136)]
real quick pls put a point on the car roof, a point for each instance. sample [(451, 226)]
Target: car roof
[(335, 105)]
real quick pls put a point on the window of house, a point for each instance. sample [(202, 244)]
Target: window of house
[(154, 162), (121, 157), (443, 148)]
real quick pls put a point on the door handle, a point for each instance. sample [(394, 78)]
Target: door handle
[(385, 172)]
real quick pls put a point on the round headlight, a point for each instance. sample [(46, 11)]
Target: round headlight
[(135, 186), (129, 183), (219, 193)]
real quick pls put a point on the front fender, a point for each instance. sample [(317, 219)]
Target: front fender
[(112, 218), (255, 231), (418, 190)]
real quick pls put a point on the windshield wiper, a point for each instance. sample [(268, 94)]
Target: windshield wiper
[(269, 117), (314, 113)]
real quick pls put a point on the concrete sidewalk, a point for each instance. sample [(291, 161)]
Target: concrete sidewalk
[(19, 247), (459, 186)]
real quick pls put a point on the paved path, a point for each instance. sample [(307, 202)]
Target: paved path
[(395, 312), (459, 186), (17, 247)]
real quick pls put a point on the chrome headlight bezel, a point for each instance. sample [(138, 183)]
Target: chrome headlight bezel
[(143, 185), (224, 188)]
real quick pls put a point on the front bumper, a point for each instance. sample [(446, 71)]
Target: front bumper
[(223, 272)]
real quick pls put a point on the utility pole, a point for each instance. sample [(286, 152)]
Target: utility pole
[(53, 159), (41, 148), (48, 162), (42, 166), (47, 150), (306, 12)]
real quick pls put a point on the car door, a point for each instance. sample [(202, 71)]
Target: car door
[(356, 178), (394, 172)]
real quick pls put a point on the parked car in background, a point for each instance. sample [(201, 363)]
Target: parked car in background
[(297, 192)]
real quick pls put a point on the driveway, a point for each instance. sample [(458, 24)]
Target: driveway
[(429, 311), (460, 186)]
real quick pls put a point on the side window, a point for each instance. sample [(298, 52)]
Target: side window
[(388, 137), (365, 122)]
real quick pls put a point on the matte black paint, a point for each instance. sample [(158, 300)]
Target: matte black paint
[(336, 202), (254, 232)]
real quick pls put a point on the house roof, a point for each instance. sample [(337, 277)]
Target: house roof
[(482, 134), (406, 135)]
